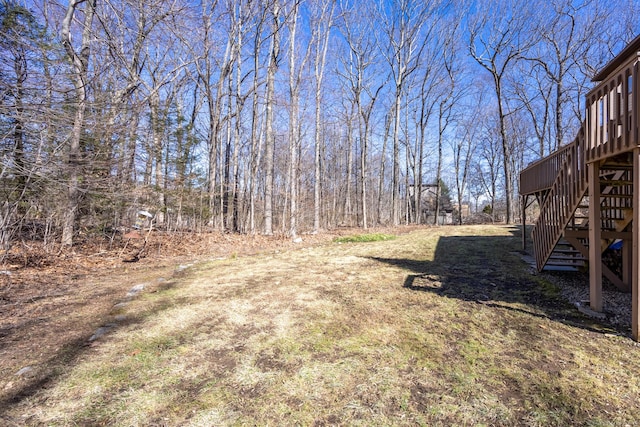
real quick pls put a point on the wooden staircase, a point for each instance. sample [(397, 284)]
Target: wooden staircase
[(561, 234), (558, 206), (616, 213), (585, 189)]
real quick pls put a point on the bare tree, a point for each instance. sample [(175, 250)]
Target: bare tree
[(213, 69), (260, 17), (79, 61), (497, 42), (163, 68), (323, 17), (446, 101), (566, 37), (364, 86), (403, 24), (183, 108), (348, 155), (463, 147), (21, 50), (296, 70), (535, 96), (126, 29), (272, 68), (235, 106), (429, 83), (487, 168), (383, 158), (630, 28)]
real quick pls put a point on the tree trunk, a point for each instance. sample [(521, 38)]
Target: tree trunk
[(272, 68), (157, 132), (239, 104), (395, 182), (322, 43), (255, 132), (382, 168), (214, 95), (363, 172), (293, 126), (349, 172), (506, 155), (79, 64)]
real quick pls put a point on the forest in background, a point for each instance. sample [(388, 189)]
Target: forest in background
[(285, 116)]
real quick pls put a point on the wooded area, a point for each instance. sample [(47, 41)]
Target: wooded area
[(284, 116)]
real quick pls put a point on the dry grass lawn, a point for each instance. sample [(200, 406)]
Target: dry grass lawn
[(440, 326)]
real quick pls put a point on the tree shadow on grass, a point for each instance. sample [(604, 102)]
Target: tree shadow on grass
[(489, 270)]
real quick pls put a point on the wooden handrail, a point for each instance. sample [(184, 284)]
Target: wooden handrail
[(567, 189), (539, 175)]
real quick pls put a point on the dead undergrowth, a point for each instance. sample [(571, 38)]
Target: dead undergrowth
[(440, 326)]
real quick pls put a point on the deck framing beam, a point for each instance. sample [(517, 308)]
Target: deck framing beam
[(524, 200)]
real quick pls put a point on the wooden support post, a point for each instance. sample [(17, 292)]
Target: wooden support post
[(524, 200), (627, 263), (635, 236), (595, 233)]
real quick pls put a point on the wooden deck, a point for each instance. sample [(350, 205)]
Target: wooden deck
[(585, 189)]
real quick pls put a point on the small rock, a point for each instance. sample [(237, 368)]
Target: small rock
[(297, 240), (24, 371), (119, 306), (589, 312), (135, 290), (101, 331)]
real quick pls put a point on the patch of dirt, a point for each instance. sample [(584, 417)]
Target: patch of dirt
[(51, 303)]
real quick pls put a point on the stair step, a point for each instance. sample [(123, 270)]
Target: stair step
[(616, 164), (560, 268), (564, 265), (566, 258), (610, 208), (565, 248), (615, 182), (565, 252)]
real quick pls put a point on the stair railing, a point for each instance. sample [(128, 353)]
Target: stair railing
[(564, 197), (540, 175)]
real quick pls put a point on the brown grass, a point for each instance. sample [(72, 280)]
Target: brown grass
[(441, 326)]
